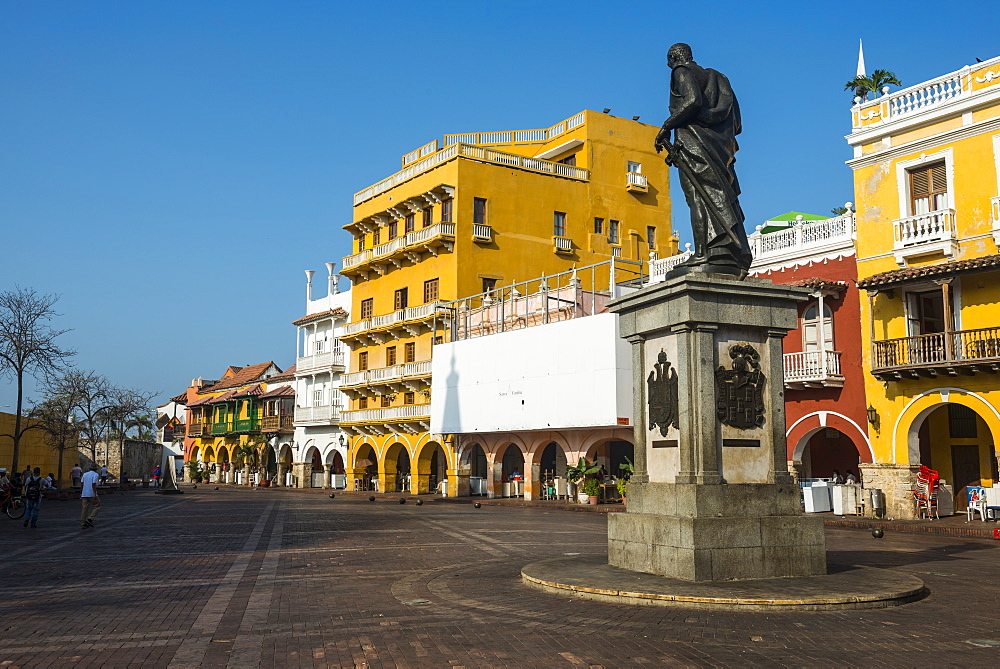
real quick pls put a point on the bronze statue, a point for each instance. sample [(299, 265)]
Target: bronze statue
[(705, 119)]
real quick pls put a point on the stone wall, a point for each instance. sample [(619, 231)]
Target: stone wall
[(896, 482), (140, 459)]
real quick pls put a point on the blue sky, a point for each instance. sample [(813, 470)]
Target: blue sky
[(171, 168)]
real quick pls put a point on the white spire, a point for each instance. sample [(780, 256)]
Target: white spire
[(861, 59)]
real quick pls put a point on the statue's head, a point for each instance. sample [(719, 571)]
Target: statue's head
[(679, 54)]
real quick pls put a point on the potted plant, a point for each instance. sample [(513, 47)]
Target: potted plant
[(627, 469), (582, 470), (592, 489)]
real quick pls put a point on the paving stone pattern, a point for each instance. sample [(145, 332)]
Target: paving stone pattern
[(271, 578)]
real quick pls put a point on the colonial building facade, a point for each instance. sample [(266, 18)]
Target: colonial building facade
[(927, 187), (477, 213)]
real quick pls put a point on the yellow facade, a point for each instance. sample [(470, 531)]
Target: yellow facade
[(34, 450), (472, 213), (927, 185)]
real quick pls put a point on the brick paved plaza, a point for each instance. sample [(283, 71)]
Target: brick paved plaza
[(272, 578)]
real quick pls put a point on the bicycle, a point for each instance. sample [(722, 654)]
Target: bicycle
[(13, 505)]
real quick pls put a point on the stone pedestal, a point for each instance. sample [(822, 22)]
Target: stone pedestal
[(712, 498), (302, 471), (896, 483)]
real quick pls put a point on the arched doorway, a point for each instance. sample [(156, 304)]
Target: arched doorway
[(403, 481), (366, 461), (823, 451), (612, 454), (269, 463), (475, 465), (315, 470), (432, 469), (512, 472), (223, 459), (956, 441)]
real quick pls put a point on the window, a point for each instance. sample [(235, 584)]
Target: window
[(479, 211), (393, 230), (613, 231), (361, 243), (634, 167), (559, 224), (318, 397), (811, 328), (925, 312), (569, 160), (408, 398), (411, 223), (366, 308), (362, 402), (651, 236), (489, 285), (386, 401), (928, 189), (318, 346), (390, 356), (430, 290), (363, 360), (399, 299), (598, 226), (961, 422), (446, 211), (428, 216), (377, 237), (410, 352)]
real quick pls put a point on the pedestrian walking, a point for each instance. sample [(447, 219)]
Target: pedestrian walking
[(156, 477), (104, 474), (75, 474), (91, 502), (33, 485)]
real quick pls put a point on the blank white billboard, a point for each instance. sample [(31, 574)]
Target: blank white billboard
[(571, 374)]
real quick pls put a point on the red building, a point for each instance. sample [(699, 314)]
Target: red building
[(825, 408)]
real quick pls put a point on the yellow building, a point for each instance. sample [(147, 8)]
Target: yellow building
[(241, 426), (927, 187), (35, 450), (476, 213)]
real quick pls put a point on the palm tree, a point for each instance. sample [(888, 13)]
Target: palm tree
[(863, 84), (838, 211)]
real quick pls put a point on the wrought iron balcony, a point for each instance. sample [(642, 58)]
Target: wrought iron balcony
[(813, 369), (963, 352)]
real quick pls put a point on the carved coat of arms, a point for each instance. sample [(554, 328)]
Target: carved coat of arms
[(661, 387), (740, 390)]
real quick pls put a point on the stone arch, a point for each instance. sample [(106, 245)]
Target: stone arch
[(798, 434), (610, 450), (195, 454), (395, 468), (431, 467), (905, 429)]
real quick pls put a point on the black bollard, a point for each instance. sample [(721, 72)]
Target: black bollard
[(477, 505), (877, 532), (332, 495), (402, 500), (372, 498), (420, 502)]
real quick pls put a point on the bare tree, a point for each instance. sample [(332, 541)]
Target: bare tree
[(55, 417), (27, 348), (91, 395)]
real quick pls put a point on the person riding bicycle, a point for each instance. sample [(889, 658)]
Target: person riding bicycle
[(4, 488)]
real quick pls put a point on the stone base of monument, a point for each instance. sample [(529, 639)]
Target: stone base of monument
[(716, 532), (843, 588)]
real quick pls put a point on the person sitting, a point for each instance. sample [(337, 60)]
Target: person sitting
[(851, 479), (836, 479)]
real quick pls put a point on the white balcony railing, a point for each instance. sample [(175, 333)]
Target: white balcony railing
[(637, 180), (934, 226), (422, 312), (436, 230), (659, 268), (927, 95), (410, 411), (326, 413), (809, 368), (476, 153), (482, 233), (406, 241), (801, 237), (563, 243), (320, 361), (387, 374)]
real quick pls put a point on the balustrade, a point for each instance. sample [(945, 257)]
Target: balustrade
[(952, 348), (421, 411), (934, 226), (812, 366)]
